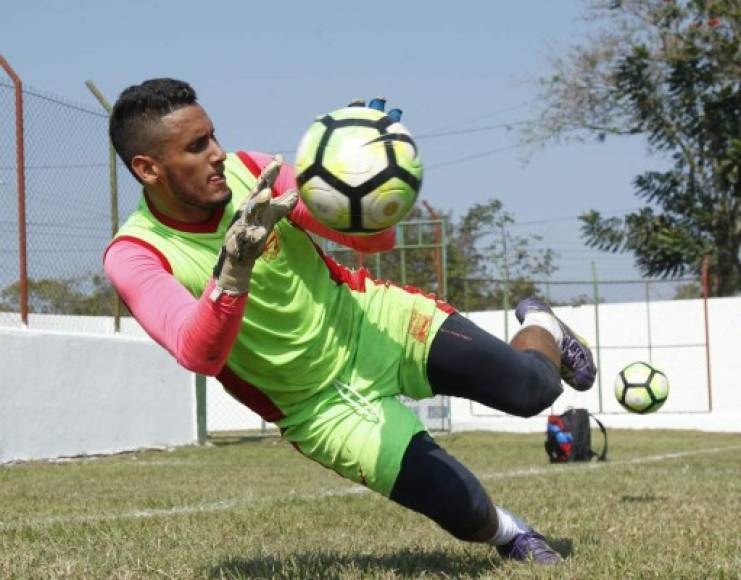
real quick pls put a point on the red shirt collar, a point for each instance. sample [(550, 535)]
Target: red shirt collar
[(207, 227)]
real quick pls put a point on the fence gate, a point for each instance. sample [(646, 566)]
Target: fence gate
[(434, 412)]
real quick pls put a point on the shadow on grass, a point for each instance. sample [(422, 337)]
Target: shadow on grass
[(242, 437), (563, 546), (641, 498), (404, 563), (335, 565)]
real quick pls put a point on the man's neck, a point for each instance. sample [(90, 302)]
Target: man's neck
[(178, 211)]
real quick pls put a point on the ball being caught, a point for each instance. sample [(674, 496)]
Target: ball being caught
[(358, 171)]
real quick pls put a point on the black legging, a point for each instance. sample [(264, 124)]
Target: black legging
[(435, 484), (466, 361)]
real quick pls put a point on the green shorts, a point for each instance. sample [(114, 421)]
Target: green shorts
[(359, 428)]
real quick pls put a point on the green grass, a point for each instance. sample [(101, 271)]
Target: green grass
[(255, 508)]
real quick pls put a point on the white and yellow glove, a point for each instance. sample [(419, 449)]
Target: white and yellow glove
[(247, 234)]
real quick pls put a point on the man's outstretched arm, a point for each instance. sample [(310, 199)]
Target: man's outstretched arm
[(199, 333)]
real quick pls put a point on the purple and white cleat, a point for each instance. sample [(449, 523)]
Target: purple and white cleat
[(529, 545), (577, 366)]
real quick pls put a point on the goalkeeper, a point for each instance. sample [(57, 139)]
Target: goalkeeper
[(217, 265)]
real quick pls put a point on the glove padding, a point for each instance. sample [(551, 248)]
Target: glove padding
[(379, 104), (247, 234)]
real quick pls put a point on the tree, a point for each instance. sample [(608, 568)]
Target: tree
[(481, 254), (670, 71), (489, 267), (688, 291), (82, 295)]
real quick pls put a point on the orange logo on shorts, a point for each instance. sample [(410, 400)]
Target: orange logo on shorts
[(419, 326)]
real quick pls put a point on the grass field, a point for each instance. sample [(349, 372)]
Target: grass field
[(667, 505)]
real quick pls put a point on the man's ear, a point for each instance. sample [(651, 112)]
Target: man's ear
[(146, 168)]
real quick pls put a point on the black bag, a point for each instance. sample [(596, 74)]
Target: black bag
[(569, 437)]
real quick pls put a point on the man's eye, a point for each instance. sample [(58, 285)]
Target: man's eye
[(198, 145)]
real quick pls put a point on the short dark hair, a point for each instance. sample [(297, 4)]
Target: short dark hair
[(137, 111)]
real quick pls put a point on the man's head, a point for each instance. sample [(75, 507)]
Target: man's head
[(167, 141)]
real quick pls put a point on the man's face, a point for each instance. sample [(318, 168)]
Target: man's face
[(191, 161)]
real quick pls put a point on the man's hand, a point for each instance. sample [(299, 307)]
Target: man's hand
[(246, 237)]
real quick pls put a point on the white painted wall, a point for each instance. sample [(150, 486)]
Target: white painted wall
[(65, 394), (675, 331)]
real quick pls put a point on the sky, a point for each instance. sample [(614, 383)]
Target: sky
[(265, 70)]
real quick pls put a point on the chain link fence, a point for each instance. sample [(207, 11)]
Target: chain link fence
[(418, 259), (498, 294), (68, 210)]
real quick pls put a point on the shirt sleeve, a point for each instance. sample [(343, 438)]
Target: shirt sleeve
[(199, 333), (301, 215)]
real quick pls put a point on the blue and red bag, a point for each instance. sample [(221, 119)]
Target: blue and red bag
[(569, 437)]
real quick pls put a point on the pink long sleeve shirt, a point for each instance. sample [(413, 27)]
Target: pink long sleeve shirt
[(199, 333)]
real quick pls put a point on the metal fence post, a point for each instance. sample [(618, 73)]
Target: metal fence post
[(648, 321), (113, 180), (705, 292), (440, 251), (596, 330), (201, 415), (444, 241), (20, 157), (505, 292)]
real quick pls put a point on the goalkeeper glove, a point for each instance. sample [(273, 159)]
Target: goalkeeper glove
[(379, 104), (247, 234)]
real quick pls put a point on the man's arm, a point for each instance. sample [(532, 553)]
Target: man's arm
[(198, 333), (379, 242), (300, 215)]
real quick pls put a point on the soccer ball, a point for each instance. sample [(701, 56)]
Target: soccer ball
[(358, 171), (641, 388)]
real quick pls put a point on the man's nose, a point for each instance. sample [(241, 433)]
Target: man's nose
[(218, 155)]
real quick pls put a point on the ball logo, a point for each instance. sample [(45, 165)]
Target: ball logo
[(403, 137)]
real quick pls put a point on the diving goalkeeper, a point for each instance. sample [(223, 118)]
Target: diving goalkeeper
[(217, 265)]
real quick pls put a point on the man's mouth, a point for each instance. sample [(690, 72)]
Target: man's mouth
[(217, 179)]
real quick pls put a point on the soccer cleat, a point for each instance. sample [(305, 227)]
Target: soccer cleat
[(529, 545), (577, 366)]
